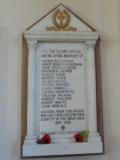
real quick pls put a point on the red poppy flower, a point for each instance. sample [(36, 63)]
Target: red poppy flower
[(45, 139), (78, 137)]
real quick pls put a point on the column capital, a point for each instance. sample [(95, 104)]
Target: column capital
[(31, 43), (91, 44)]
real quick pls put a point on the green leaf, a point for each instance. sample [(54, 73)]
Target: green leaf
[(84, 133)]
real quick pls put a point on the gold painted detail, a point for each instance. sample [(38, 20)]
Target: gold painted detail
[(61, 21)]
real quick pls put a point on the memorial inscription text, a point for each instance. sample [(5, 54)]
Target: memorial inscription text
[(62, 91)]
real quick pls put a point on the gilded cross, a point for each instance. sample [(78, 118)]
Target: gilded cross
[(61, 17)]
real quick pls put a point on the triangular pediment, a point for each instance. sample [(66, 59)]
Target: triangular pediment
[(61, 18)]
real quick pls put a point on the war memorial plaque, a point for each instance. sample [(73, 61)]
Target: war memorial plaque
[(63, 113)]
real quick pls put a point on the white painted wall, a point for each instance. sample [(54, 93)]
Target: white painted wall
[(15, 17)]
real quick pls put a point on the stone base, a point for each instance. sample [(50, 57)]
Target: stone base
[(66, 138), (62, 149), (94, 138), (30, 140)]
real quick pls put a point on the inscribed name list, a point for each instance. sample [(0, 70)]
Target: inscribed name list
[(61, 87)]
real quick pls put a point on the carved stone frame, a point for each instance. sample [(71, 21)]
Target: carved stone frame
[(91, 39)]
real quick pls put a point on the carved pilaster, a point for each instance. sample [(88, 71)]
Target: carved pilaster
[(31, 137), (92, 113)]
